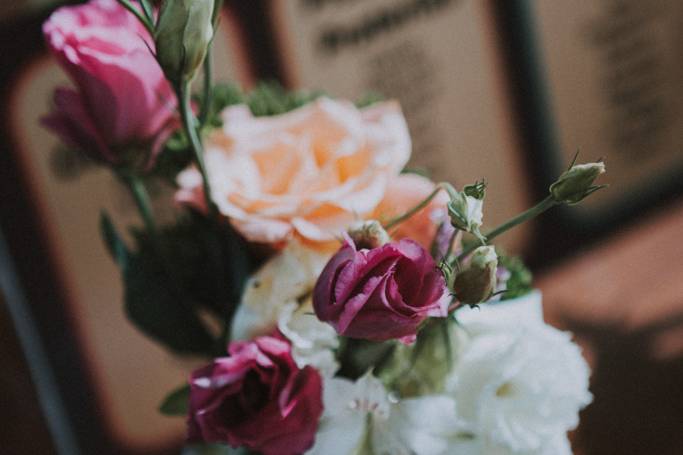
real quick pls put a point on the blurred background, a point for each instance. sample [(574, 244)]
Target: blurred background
[(503, 90)]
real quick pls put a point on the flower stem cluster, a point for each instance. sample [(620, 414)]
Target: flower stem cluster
[(182, 34)]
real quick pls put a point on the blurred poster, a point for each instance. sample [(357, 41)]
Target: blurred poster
[(610, 74), (440, 60), (69, 194)]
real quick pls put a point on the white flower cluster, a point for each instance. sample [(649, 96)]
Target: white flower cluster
[(518, 383), (516, 387)]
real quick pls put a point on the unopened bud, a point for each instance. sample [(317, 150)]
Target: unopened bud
[(465, 208), (577, 183), (183, 34), (477, 282), (368, 234)]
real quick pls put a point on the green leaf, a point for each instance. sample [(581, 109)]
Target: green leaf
[(156, 303), (520, 281), (270, 98), (115, 244), (176, 403), (422, 172), (369, 98), (189, 267)]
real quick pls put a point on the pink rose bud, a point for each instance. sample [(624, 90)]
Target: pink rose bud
[(256, 398), (381, 293), (122, 106)]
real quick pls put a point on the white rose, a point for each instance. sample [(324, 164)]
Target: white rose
[(518, 383)]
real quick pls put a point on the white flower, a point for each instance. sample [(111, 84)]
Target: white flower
[(271, 300), (312, 341), (363, 414), (284, 279), (518, 383)]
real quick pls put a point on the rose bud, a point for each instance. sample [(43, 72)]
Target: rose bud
[(381, 293), (577, 183), (465, 208), (122, 107), (256, 398), (183, 34), (477, 281), (368, 234)]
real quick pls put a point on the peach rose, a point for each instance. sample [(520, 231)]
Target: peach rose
[(404, 192), (310, 172)]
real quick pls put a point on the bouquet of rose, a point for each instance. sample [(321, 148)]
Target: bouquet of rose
[(363, 309)]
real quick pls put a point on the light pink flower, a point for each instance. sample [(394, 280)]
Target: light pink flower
[(308, 173), (382, 293), (256, 398), (122, 101)]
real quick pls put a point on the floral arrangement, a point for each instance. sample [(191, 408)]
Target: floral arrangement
[(343, 304)]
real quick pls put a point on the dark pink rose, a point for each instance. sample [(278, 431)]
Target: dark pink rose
[(381, 293), (121, 102), (256, 398)]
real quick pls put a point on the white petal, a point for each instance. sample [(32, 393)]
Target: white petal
[(312, 341), (282, 280), (423, 426)]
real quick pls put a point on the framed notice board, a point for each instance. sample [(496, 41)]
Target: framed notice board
[(441, 60), (602, 78)]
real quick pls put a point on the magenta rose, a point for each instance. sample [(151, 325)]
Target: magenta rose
[(382, 293), (122, 102), (256, 398)]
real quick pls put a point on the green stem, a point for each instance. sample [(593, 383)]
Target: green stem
[(533, 212), (446, 334), (451, 243), (143, 20), (401, 218), (148, 10), (189, 125), (142, 201), (207, 93)]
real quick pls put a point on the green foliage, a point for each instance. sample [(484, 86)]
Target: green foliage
[(270, 98), (171, 277), (223, 95), (422, 368), (356, 357), (521, 279), (369, 98), (177, 402), (175, 156)]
